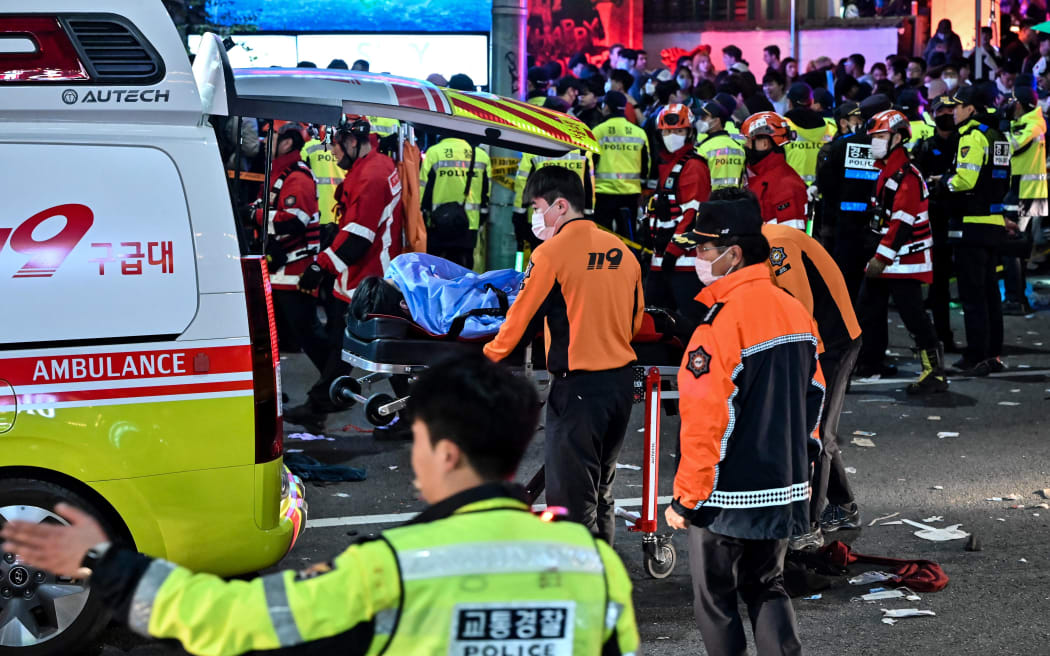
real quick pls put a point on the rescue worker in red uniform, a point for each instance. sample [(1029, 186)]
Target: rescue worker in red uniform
[(903, 258), (293, 240), (371, 233), (781, 192), (683, 182)]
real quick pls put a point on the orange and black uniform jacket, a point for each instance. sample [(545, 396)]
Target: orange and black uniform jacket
[(750, 395), (802, 267), (587, 288)]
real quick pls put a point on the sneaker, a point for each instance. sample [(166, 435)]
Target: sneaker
[(995, 365), (975, 369), (812, 540), (880, 370), (835, 517), (306, 416)]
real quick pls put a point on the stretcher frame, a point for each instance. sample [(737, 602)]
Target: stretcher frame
[(659, 552)]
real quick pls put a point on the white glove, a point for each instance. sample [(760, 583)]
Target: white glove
[(812, 193)]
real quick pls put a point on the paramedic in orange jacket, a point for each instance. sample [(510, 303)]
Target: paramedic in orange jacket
[(751, 393), (585, 289)]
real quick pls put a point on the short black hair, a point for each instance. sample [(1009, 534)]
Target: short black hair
[(567, 83), (628, 54), (754, 248), (338, 64), (773, 50), (553, 182), (374, 295), (306, 64), (858, 60), (665, 89), (362, 65), (774, 76), (920, 61), (878, 66), (733, 52), (481, 407), (623, 77)]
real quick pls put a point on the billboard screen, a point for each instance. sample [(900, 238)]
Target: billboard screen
[(359, 15)]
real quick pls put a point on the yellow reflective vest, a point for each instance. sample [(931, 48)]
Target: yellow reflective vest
[(318, 156), (444, 177), (488, 578), (976, 199), (1028, 163), (919, 130), (383, 127), (578, 161), (622, 162), (726, 159), (801, 154)]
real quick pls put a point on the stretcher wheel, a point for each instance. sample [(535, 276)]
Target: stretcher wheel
[(661, 562), (342, 391), (375, 402)]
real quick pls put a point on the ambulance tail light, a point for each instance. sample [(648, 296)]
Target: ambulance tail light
[(37, 49), (266, 361)]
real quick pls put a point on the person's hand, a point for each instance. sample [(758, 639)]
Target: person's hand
[(812, 193), (1012, 227), (668, 262), (57, 549), (674, 520), (875, 268), (311, 278)]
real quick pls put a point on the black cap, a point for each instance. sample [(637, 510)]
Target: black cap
[(968, 95), (824, 97), (538, 74), (461, 82), (577, 59), (718, 219), (715, 110), (800, 93), (615, 101), (872, 105), (1024, 90), (727, 101), (847, 109), (908, 101)]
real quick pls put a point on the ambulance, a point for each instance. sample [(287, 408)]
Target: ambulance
[(139, 366)]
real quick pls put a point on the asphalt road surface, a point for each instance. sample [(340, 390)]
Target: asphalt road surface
[(998, 598)]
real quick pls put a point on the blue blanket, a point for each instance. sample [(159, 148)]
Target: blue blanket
[(437, 291)]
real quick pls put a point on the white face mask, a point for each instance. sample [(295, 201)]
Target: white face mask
[(684, 82), (674, 141), (540, 228), (950, 82), (702, 126), (650, 88), (608, 86), (703, 269), (880, 148)]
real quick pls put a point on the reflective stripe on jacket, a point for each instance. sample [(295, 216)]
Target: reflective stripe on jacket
[(725, 159), (902, 206), (444, 175), (322, 162), (1028, 163)]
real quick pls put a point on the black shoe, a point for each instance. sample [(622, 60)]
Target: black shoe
[(306, 416), (1013, 309), (812, 540), (881, 370), (835, 517), (975, 369), (995, 365)]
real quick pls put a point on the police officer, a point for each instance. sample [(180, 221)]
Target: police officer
[(909, 103), (586, 288), (1027, 186), (547, 587), (318, 156), (781, 192), (455, 181), (933, 156), (724, 155), (810, 130), (850, 167), (620, 168), (683, 182), (902, 262), (976, 188), (847, 120)]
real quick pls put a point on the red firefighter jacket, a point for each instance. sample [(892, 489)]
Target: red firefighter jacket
[(781, 192), (901, 205)]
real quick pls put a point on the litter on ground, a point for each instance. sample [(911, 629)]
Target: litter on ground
[(934, 418), (895, 522), (907, 612), (935, 534), (851, 470), (1009, 403), (879, 519), (621, 465), (864, 433), (937, 487), (935, 518), (308, 437), (863, 442), (812, 597), (943, 434), (870, 577)]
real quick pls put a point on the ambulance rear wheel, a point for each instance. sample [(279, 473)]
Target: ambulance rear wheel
[(375, 402), (661, 562), (42, 614)]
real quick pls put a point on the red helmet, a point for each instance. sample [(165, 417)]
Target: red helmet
[(889, 121), (768, 124), (674, 117)]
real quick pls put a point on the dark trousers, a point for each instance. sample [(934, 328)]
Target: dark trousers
[(829, 476), (299, 317), (723, 567), (335, 311), (982, 308), (874, 308), (617, 212), (940, 296), (675, 290), (852, 254), (587, 415)]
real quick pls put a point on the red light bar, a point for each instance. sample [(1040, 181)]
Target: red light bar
[(54, 60)]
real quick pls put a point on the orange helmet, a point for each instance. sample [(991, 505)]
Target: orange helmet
[(674, 117), (889, 121), (768, 124)]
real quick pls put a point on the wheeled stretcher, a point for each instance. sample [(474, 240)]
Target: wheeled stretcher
[(386, 346)]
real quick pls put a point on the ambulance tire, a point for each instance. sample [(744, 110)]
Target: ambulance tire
[(34, 500)]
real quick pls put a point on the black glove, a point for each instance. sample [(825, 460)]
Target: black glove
[(276, 257), (311, 278), (939, 188), (668, 262)]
